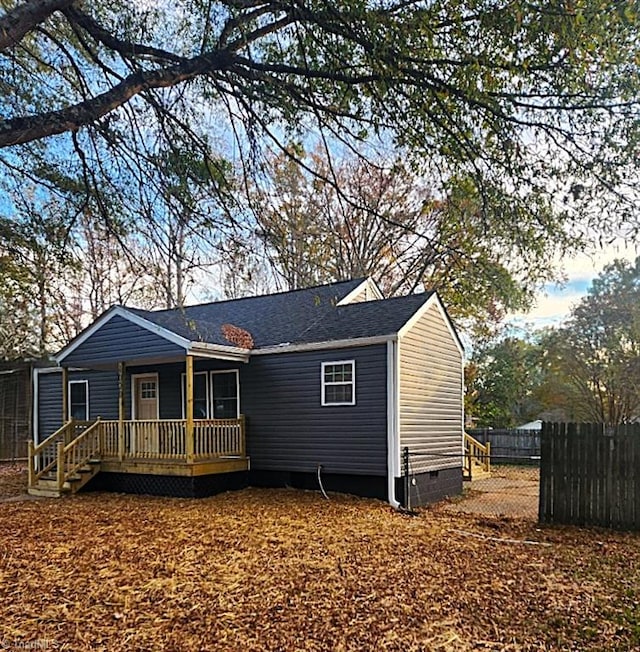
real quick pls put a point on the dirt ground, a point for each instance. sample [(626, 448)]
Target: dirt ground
[(287, 570), (510, 491)]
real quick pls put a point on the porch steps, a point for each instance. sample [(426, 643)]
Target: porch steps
[(477, 459), (47, 485), (476, 472)]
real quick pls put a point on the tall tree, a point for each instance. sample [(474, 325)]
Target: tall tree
[(18, 323), (501, 383), (383, 221), (291, 223), (598, 350), (531, 102), (179, 218), (35, 254)]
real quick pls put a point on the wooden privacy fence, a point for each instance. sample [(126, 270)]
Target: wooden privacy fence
[(510, 445), (590, 475)]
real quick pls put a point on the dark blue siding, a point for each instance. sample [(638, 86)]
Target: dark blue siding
[(288, 429), (170, 383), (103, 398), (49, 404), (120, 339)]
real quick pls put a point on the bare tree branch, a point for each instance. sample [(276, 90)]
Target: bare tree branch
[(25, 129)]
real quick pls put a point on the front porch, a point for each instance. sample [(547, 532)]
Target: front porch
[(78, 451)]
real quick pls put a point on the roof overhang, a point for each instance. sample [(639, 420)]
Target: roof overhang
[(332, 344), (197, 349), (218, 351)]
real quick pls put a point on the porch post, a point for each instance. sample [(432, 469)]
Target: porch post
[(65, 395), (120, 411), (188, 433)]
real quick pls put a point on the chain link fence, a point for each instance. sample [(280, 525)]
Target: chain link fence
[(502, 482), (511, 487)]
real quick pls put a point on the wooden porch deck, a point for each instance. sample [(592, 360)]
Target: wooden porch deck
[(69, 458)]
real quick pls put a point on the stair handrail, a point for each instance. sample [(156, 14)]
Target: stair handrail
[(477, 450), (67, 464), (59, 436)]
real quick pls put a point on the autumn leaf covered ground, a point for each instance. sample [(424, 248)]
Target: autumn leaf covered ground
[(288, 570)]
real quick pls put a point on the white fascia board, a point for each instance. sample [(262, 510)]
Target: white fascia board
[(318, 346), (434, 299), (218, 351), (368, 283), (119, 311), (57, 370)]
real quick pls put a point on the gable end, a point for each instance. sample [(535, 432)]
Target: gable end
[(121, 336)]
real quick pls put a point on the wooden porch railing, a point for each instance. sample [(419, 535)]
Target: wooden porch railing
[(71, 456), (79, 452), (476, 454), (44, 457), (165, 439), (219, 438)]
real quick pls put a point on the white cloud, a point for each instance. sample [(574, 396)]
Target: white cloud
[(554, 302)]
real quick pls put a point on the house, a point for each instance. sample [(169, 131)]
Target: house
[(534, 426), (332, 383)]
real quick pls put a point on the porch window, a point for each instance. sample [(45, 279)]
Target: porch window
[(338, 382), (225, 394), (79, 400), (200, 395)]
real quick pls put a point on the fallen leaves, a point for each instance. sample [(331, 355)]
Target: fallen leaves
[(13, 480), (287, 570)]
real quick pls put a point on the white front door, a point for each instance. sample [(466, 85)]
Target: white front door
[(145, 408)]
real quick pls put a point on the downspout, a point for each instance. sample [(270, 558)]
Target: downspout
[(35, 435), (392, 430)]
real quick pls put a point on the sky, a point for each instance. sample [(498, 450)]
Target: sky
[(555, 301)]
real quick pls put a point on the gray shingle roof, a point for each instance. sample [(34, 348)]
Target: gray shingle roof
[(366, 319), (296, 317)]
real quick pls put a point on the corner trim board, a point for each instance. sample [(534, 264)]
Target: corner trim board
[(36, 398), (393, 451)]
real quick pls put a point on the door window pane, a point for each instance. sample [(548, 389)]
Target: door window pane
[(148, 389)]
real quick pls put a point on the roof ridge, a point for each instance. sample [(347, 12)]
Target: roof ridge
[(426, 294), (248, 298)]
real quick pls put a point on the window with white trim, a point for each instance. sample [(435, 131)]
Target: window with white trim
[(225, 394), (338, 382), (79, 400)]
